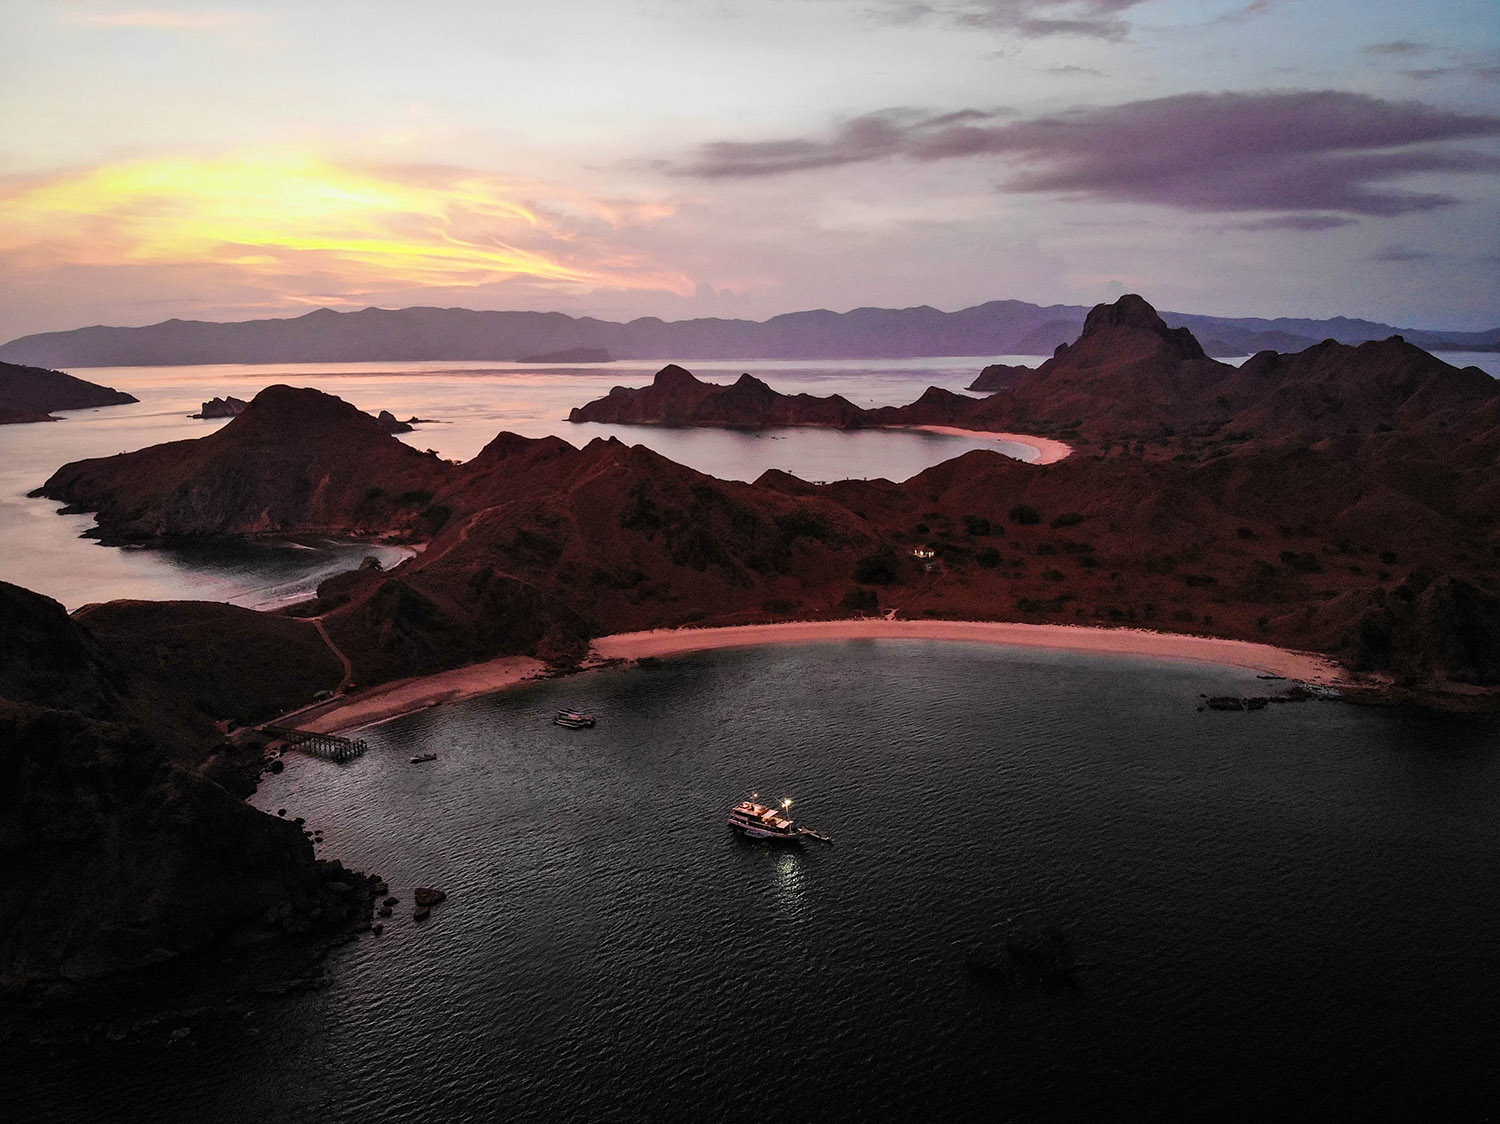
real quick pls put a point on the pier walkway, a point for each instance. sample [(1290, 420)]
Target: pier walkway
[(331, 746)]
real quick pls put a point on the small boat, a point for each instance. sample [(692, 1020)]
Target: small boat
[(573, 719), (419, 758)]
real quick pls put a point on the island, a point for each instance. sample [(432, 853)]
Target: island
[(571, 355), (30, 394), (1336, 506)]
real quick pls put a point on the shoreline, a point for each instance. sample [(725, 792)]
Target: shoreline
[(1047, 450), (406, 696)]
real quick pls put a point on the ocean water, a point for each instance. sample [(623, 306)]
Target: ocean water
[(469, 405), (1281, 914)]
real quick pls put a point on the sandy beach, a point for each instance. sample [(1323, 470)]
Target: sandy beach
[(1048, 451), (407, 695)]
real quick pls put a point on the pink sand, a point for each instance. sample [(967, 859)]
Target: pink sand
[(404, 696)]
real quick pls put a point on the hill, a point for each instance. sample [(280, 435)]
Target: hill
[(401, 335), (30, 394), (1342, 499), (120, 850)]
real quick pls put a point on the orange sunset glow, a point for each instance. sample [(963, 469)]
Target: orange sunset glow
[(265, 215)]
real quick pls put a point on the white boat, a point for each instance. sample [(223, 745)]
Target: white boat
[(756, 821), (573, 719)]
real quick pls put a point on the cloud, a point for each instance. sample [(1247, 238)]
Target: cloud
[(1032, 19), (1396, 47), (1296, 222), (1300, 150), (160, 19), (287, 220), (1484, 72), (1400, 254)]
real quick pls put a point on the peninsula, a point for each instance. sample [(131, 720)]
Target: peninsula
[(30, 394)]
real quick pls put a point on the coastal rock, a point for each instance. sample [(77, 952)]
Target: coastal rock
[(1226, 702), (390, 424), (230, 407), (425, 896)]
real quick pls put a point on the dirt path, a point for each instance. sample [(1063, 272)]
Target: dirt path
[(317, 623)]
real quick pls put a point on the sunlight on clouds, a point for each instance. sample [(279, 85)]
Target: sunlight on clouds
[(156, 19), (281, 215)]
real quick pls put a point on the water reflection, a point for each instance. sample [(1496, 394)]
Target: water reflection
[(790, 878)]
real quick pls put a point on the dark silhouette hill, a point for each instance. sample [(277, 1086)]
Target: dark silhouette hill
[(409, 334), (29, 394), (119, 851), (293, 461)]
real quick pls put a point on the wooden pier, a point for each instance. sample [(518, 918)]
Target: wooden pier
[(331, 746)]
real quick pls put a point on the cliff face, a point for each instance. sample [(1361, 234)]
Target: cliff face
[(31, 393), (293, 461)]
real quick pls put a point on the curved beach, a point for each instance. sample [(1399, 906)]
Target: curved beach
[(403, 696), (1048, 451)]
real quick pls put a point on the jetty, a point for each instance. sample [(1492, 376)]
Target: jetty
[(331, 746)]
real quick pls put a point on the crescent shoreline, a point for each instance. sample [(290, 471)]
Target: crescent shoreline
[(405, 696)]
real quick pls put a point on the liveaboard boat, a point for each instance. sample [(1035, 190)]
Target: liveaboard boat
[(760, 822), (573, 719)]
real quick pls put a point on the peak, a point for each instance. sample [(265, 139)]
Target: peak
[(290, 409), (1133, 314), (674, 377), (1130, 311)]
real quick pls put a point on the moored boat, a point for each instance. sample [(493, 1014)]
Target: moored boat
[(756, 821), (573, 719), (419, 758)]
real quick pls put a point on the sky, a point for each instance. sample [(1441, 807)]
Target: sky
[(224, 159)]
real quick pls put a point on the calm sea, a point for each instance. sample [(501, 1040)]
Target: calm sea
[(1283, 914)]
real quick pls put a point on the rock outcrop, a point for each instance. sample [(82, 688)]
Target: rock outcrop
[(998, 376), (392, 424), (230, 407)]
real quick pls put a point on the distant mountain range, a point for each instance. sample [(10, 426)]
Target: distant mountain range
[(418, 334)]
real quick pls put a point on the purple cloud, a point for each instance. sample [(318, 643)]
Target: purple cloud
[(1396, 47), (1400, 254), (1313, 221), (1095, 19), (1311, 150), (1481, 71)]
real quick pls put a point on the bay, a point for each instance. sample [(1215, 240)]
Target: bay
[(1285, 913)]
